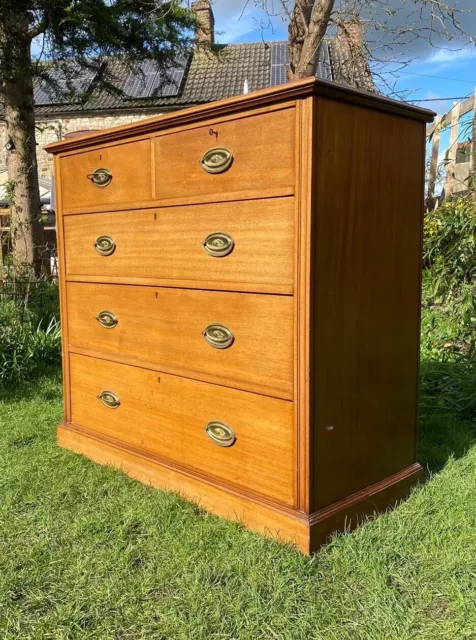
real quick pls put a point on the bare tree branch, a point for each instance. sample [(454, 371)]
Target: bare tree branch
[(389, 29)]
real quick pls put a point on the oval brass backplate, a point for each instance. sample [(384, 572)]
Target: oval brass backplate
[(217, 160), (218, 336), (218, 244), (100, 177), (107, 319), (109, 399), (105, 245), (220, 433)]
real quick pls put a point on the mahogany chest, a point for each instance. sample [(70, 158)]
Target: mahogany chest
[(240, 300)]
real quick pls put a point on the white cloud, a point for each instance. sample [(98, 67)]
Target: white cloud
[(228, 20), (435, 102), (452, 56)]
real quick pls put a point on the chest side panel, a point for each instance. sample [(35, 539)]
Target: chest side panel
[(368, 219)]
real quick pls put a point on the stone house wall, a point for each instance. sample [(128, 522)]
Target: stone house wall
[(52, 129)]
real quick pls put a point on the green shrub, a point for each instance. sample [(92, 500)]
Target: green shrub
[(30, 336), (37, 296), (448, 388), (449, 281), (450, 243)]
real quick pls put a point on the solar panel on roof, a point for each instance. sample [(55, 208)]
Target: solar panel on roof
[(171, 85), (280, 63), (63, 80), (324, 69), (279, 53), (141, 80), (147, 80)]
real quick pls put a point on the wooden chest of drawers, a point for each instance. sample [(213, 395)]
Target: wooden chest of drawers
[(240, 294)]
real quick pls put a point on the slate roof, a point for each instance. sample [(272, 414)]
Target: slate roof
[(210, 77)]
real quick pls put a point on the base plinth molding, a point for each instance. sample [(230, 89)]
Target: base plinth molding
[(307, 532)]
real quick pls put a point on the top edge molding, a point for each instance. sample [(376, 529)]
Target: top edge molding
[(290, 91)]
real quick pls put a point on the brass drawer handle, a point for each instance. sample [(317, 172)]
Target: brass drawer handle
[(100, 177), (220, 433), (109, 399), (218, 336), (107, 319), (218, 244), (216, 160), (105, 245)]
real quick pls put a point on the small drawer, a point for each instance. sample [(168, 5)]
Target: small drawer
[(236, 339), (242, 438), (244, 158), (106, 176), (248, 243)]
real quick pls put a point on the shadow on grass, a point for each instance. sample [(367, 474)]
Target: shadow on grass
[(46, 386), (447, 412)]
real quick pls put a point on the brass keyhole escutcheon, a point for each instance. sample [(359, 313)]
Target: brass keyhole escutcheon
[(220, 433)]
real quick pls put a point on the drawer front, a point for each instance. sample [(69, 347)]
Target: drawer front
[(249, 242), (262, 149), (166, 326), (130, 180), (167, 416)]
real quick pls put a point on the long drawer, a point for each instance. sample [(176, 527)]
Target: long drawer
[(242, 438), (238, 339), (250, 155), (248, 243)]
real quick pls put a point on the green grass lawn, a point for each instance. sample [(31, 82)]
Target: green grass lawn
[(86, 552)]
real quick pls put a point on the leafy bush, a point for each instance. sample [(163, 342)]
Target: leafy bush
[(450, 242), (30, 336), (448, 388), (448, 371), (449, 281)]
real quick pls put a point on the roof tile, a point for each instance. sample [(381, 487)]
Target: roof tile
[(213, 76)]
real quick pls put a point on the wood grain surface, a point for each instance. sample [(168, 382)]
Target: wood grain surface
[(130, 165), (324, 201), (165, 325), (367, 296), (167, 415), (166, 244), (263, 150)]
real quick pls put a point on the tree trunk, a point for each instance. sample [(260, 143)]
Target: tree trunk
[(26, 229), (307, 28)]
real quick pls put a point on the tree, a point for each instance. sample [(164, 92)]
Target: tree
[(307, 26), (89, 31), (393, 28)]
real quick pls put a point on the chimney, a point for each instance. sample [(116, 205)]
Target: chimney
[(350, 33), (205, 29)]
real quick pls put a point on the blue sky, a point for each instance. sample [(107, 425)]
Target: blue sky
[(433, 74), (434, 79), (440, 74)]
